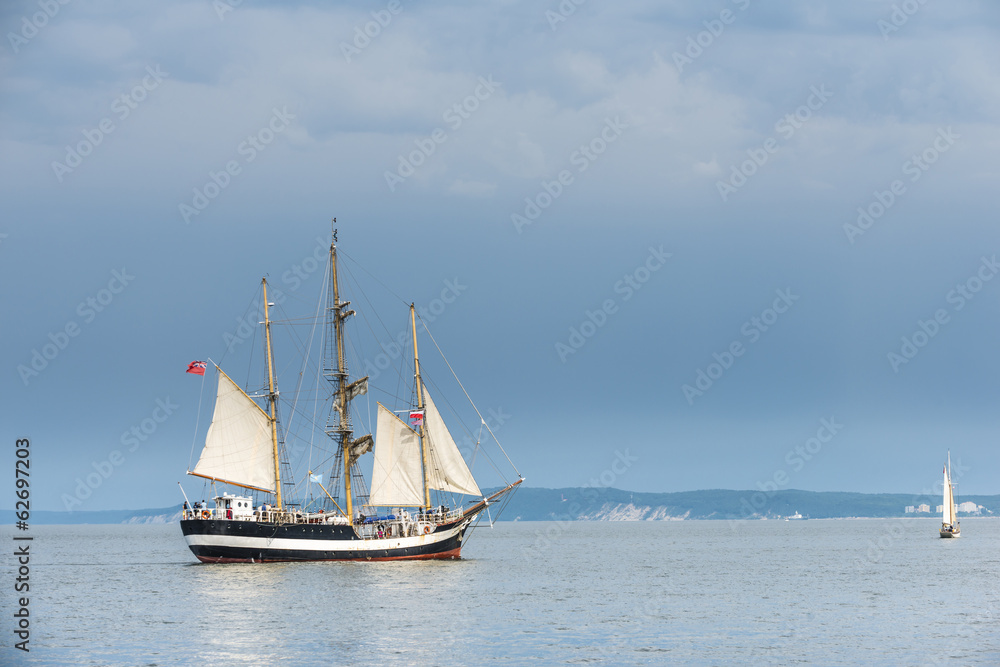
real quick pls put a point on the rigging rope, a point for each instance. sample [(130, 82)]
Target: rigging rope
[(374, 277), (482, 421), (306, 359), (467, 395), (319, 370)]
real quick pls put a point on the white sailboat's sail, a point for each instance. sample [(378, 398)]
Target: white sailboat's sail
[(396, 475), (949, 515), (238, 446), (946, 503), (447, 470)]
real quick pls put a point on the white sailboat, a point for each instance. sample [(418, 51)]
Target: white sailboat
[(950, 526)]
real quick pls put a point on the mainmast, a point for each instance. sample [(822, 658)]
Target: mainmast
[(950, 500), (344, 427), (420, 406), (350, 449), (272, 397)]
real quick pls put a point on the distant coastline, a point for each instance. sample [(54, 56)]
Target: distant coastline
[(607, 504)]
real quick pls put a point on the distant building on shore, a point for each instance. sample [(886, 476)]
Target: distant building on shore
[(968, 507)]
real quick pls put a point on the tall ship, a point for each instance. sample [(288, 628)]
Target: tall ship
[(423, 499), (950, 527)]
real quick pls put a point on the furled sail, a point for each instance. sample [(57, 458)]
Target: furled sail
[(359, 447), (447, 470), (238, 448), (397, 478), (355, 389)]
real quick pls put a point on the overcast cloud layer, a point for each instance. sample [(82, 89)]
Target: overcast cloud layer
[(699, 232)]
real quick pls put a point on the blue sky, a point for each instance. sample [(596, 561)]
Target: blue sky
[(835, 162)]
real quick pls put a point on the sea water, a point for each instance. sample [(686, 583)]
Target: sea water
[(883, 592)]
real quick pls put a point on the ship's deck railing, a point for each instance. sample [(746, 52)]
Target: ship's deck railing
[(263, 516), (440, 517), (274, 516)]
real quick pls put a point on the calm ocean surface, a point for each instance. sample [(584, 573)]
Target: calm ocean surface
[(883, 592)]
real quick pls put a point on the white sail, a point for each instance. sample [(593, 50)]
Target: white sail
[(447, 470), (946, 503), (953, 514), (397, 478), (238, 447)]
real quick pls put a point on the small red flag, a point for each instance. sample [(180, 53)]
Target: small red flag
[(197, 367), (417, 417)]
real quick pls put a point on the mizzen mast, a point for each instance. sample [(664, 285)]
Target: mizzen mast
[(272, 397), (420, 406)]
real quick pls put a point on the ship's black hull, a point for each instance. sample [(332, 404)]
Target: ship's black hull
[(228, 541)]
